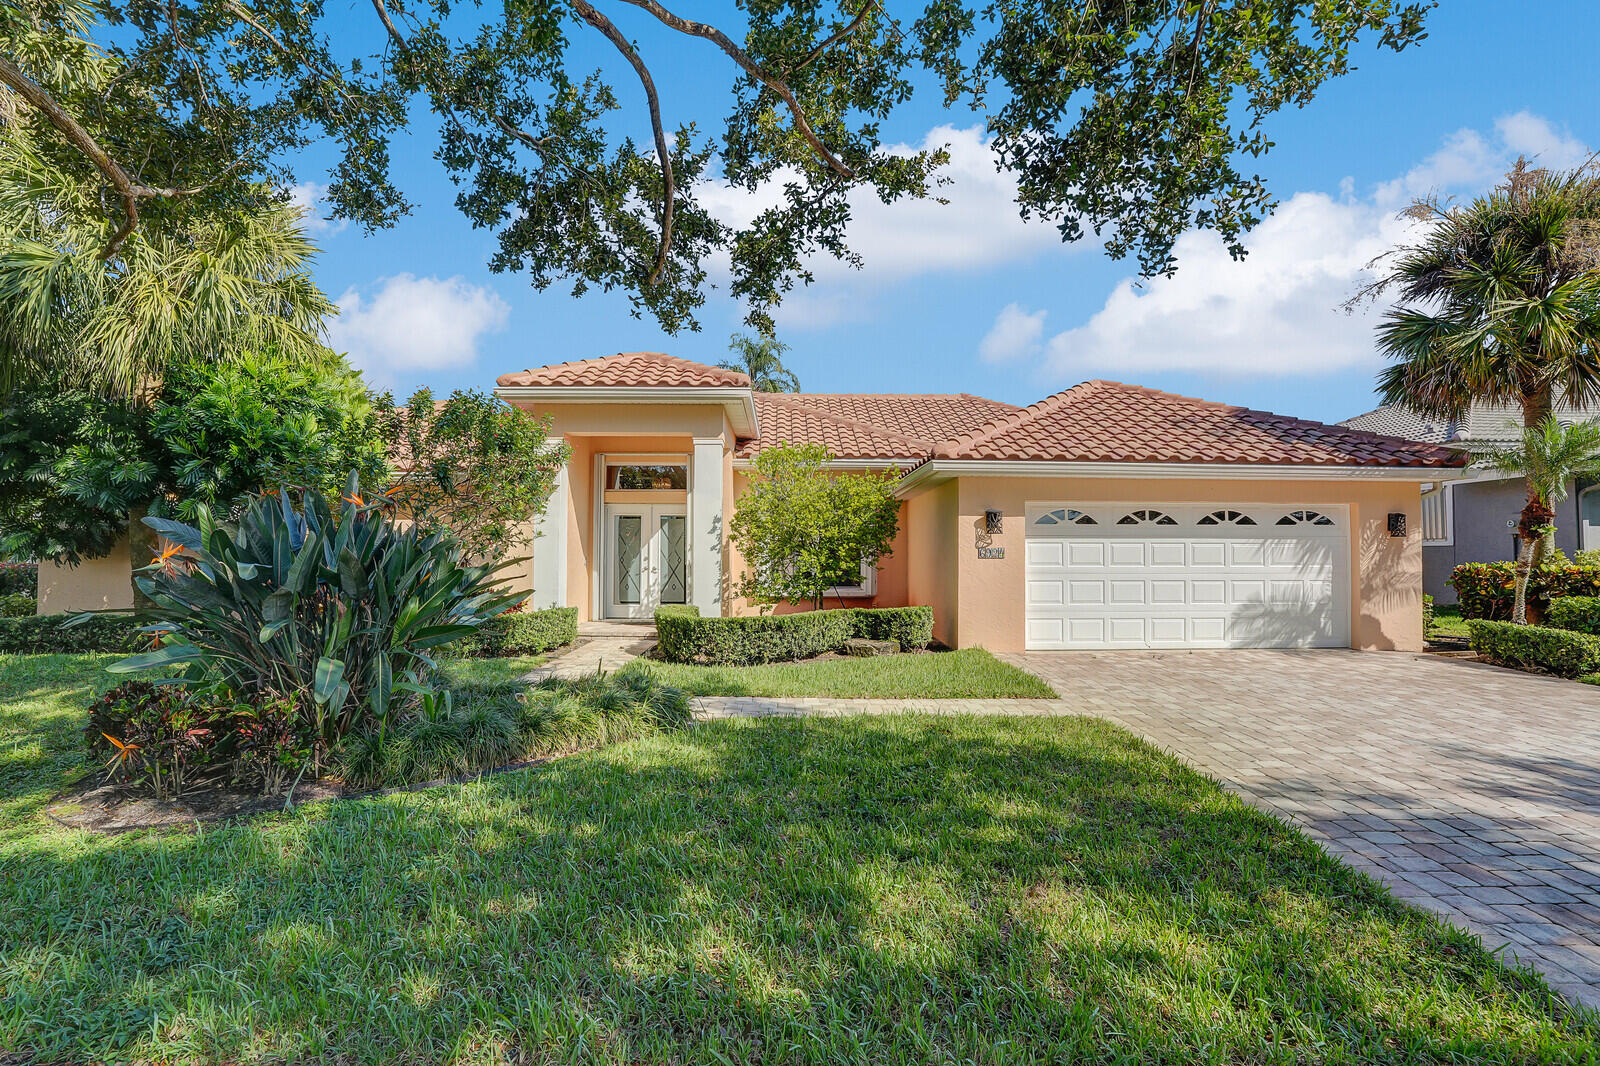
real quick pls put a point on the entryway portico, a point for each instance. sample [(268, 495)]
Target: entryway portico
[(636, 520)]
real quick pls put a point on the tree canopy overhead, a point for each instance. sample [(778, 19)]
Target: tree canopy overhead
[(1128, 118)]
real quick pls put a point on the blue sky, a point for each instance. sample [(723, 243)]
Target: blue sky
[(966, 298)]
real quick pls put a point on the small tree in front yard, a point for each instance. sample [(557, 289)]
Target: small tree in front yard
[(472, 464), (1548, 457), (803, 530)]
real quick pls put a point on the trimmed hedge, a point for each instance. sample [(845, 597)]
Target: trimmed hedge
[(1488, 590), (17, 605), (45, 634), (911, 626), (1580, 614), (1536, 648), (520, 633), (743, 641)]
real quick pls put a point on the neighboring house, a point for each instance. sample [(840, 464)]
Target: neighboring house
[(1473, 519), (1105, 516)]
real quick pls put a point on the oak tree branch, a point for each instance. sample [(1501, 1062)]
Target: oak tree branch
[(669, 185), (752, 68)]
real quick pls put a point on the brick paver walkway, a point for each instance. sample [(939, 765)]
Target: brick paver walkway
[(604, 646), (1470, 790)]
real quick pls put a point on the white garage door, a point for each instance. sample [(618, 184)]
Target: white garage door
[(1168, 576)]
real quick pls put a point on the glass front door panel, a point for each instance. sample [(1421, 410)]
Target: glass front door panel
[(630, 559), (673, 544)]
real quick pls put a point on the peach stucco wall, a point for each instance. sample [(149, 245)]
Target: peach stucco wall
[(104, 584), (1385, 571), (931, 577)]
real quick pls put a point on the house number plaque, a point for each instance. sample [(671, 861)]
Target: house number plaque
[(991, 553)]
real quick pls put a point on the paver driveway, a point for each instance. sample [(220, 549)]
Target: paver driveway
[(1471, 790)]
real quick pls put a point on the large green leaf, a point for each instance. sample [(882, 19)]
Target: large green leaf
[(329, 679), (167, 656)]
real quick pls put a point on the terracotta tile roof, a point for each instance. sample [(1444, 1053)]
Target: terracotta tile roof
[(867, 425), (628, 370), (1106, 421)]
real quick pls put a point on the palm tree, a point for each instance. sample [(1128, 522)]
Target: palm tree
[(214, 286), (1501, 304), (1549, 457), (762, 359)]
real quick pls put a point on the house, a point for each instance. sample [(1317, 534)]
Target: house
[(1105, 516), (1473, 519)]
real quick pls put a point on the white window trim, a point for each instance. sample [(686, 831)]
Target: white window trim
[(1447, 492), (867, 588)]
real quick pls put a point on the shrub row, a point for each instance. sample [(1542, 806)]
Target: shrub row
[(17, 605), (46, 634), (1578, 613), (1537, 648), (686, 638), (1487, 590), (20, 579), (520, 633)]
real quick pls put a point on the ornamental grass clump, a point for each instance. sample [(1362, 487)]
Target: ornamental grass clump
[(335, 611)]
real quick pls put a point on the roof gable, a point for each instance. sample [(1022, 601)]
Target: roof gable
[(626, 370), (1107, 421)]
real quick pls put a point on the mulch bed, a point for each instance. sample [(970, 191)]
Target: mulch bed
[(110, 809)]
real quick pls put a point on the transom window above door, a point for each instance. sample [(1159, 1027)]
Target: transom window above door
[(647, 476)]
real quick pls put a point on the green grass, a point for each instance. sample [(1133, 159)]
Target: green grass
[(903, 889), (964, 674), (1447, 622), (488, 671)]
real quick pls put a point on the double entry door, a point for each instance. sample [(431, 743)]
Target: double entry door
[(647, 547)]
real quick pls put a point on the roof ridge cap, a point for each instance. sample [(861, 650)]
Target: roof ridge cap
[(1015, 417)]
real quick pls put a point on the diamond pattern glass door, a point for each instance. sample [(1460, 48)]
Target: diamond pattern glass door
[(672, 543), (647, 561), (629, 566)]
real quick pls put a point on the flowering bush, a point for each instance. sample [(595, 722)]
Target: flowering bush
[(1486, 590)]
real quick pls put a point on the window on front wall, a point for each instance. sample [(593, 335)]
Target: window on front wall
[(866, 583), (647, 476)]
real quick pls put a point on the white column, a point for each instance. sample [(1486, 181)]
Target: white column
[(705, 526), (550, 548)]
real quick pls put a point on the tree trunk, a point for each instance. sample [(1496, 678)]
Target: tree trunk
[(1533, 525), (141, 549)]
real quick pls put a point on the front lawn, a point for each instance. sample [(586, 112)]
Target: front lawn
[(970, 673), (1447, 622), (909, 889), (489, 671)]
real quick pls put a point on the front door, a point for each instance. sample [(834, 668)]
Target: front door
[(647, 558)]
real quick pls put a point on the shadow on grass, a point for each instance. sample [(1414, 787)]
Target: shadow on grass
[(903, 889)]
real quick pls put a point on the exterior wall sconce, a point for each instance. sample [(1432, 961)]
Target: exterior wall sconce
[(992, 522), (1397, 523)]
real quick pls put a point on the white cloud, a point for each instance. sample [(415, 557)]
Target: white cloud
[(977, 228), (1015, 334), (308, 197), (412, 323), (1275, 313), (1278, 313), (1525, 133)]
